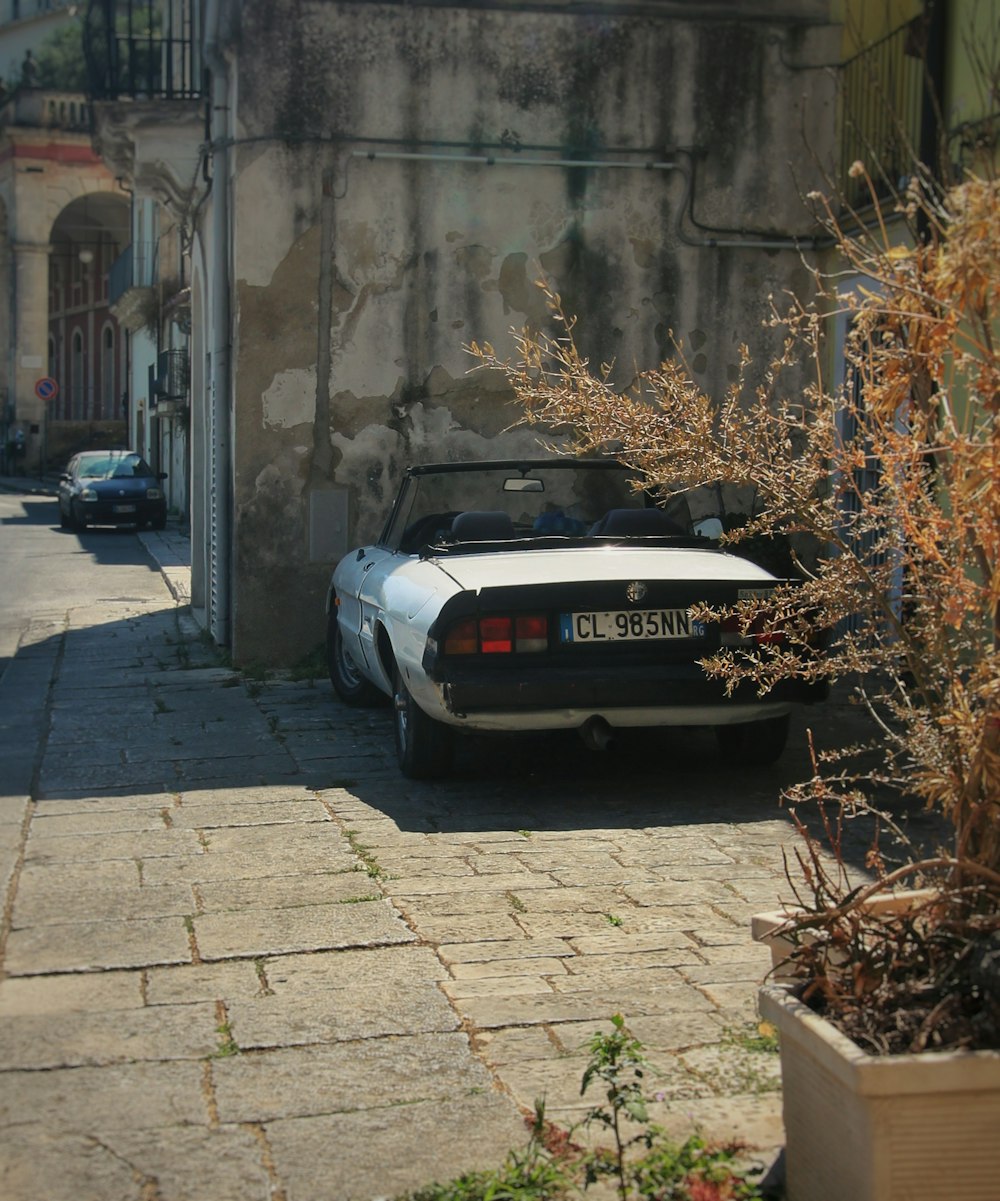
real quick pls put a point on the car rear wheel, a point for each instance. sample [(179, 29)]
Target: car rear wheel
[(425, 748), (755, 743), (348, 683)]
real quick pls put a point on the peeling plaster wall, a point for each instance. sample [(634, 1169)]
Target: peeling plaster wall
[(359, 281)]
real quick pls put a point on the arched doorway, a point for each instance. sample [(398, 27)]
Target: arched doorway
[(87, 238)]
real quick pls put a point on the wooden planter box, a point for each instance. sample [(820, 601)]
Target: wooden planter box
[(861, 1127), (767, 928)]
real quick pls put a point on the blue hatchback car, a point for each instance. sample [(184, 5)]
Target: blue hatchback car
[(111, 487)]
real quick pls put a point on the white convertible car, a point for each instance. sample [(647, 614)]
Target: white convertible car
[(541, 595)]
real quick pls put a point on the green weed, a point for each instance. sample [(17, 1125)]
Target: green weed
[(643, 1163), (310, 667), (369, 863), (227, 1044)]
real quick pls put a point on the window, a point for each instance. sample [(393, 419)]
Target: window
[(79, 408)]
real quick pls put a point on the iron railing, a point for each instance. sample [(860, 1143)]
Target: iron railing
[(888, 117), (143, 49)]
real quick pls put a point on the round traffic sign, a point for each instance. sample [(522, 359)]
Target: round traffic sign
[(46, 388)]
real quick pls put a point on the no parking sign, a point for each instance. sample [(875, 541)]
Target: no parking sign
[(46, 388)]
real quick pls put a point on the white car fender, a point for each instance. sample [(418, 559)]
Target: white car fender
[(413, 599)]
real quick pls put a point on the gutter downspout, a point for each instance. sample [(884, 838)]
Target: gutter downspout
[(220, 459)]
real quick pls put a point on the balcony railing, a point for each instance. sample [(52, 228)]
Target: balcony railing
[(48, 108), (143, 49), (887, 112)]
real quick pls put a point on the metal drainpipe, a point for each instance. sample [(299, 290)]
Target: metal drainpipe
[(221, 448), (489, 160)]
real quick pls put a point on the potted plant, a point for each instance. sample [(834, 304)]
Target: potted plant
[(888, 488)]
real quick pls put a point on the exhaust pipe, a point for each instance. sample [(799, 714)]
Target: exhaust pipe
[(597, 735)]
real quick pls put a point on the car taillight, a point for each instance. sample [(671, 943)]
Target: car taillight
[(498, 635), (531, 633), (758, 633), (462, 639)]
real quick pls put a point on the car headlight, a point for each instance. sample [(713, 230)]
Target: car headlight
[(153, 494), (88, 494)]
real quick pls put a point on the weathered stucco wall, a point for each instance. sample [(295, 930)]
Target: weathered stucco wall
[(359, 279)]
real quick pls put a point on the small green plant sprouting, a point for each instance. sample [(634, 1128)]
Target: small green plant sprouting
[(310, 667), (554, 1168), (227, 1044), (525, 833), (515, 902), (253, 689), (617, 1062), (369, 863), (535, 1174), (161, 706), (614, 920), (260, 967), (763, 1038)]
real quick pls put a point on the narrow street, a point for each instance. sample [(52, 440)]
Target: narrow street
[(243, 958)]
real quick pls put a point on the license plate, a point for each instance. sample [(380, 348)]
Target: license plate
[(123, 509), (634, 625)]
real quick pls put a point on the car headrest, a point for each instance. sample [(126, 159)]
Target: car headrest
[(482, 526), (636, 523)]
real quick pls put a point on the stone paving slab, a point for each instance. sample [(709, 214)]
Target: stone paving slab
[(344, 886), (206, 868), (345, 1077), (89, 946), (111, 1037), (340, 1015), (43, 903), (255, 932), (130, 1096), (48, 850), (99, 992), (176, 1162), (430, 1140)]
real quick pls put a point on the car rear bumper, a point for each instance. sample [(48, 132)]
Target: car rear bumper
[(126, 512), (667, 695)]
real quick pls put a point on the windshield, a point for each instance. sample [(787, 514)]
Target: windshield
[(108, 465), (512, 500)]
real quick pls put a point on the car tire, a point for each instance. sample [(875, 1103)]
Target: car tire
[(76, 523), (425, 748), (755, 743), (348, 683), (158, 523), (63, 519)]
